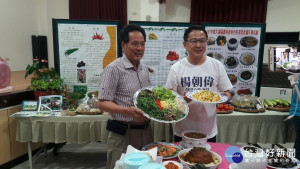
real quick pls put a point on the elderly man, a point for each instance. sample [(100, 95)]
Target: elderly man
[(119, 81)]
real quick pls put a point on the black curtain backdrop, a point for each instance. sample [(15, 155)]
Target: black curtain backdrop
[(228, 11), (99, 10)]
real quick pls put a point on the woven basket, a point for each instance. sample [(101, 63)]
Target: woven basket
[(283, 109), (250, 110), (91, 113)]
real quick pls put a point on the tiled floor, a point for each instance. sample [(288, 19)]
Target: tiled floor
[(71, 156), (85, 156)]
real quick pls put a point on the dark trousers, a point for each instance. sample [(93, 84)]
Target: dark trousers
[(296, 123), (178, 139)]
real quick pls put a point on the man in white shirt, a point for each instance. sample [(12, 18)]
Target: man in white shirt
[(198, 72)]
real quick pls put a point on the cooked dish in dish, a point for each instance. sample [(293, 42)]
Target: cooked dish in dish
[(221, 40), (248, 41), (232, 78), (165, 150), (231, 62), (246, 75), (171, 165), (247, 58), (194, 135), (211, 41), (208, 96), (200, 155)]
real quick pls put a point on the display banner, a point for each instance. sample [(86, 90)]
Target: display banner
[(164, 47), (239, 47), (82, 49)]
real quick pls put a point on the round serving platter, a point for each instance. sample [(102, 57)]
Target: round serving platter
[(145, 148), (186, 107), (190, 93)]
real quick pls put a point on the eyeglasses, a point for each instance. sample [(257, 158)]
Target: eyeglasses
[(195, 41)]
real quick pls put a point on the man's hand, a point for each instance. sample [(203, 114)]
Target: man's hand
[(136, 113), (186, 98), (228, 94)]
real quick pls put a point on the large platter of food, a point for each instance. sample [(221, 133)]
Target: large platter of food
[(160, 104), (283, 161), (248, 104), (192, 156), (166, 150), (248, 41), (206, 96)]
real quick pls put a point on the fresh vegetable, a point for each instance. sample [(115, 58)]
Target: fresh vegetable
[(152, 36), (157, 101), (198, 166), (98, 37), (163, 94), (224, 107), (70, 51), (160, 104), (172, 55), (277, 104)]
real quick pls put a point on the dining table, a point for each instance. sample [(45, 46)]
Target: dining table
[(218, 148)]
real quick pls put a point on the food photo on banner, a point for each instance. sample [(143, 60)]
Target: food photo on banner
[(239, 47)]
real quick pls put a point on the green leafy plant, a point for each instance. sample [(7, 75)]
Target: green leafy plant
[(44, 79), (73, 98)]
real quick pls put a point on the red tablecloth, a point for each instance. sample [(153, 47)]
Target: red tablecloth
[(220, 149)]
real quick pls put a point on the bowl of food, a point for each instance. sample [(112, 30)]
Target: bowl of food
[(192, 138), (192, 156), (253, 157), (282, 161), (172, 164)]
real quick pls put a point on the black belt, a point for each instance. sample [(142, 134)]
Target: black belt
[(134, 126)]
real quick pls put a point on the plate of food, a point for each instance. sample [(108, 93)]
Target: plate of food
[(215, 55), (247, 58), (232, 78), (282, 162), (248, 41), (166, 150), (231, 62), (211, 41), (172, 164), (246, 76), (192, 156), (221, 40), (160, 104), (206, 96), (244, 91)]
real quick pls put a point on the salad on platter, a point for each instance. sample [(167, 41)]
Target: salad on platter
[(160, 104)]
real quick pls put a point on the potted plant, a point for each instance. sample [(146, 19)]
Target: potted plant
[(45, 81)]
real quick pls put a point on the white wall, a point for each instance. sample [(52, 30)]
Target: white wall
[(18, 23), (283, 16), (56, 9), (22, 18)]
